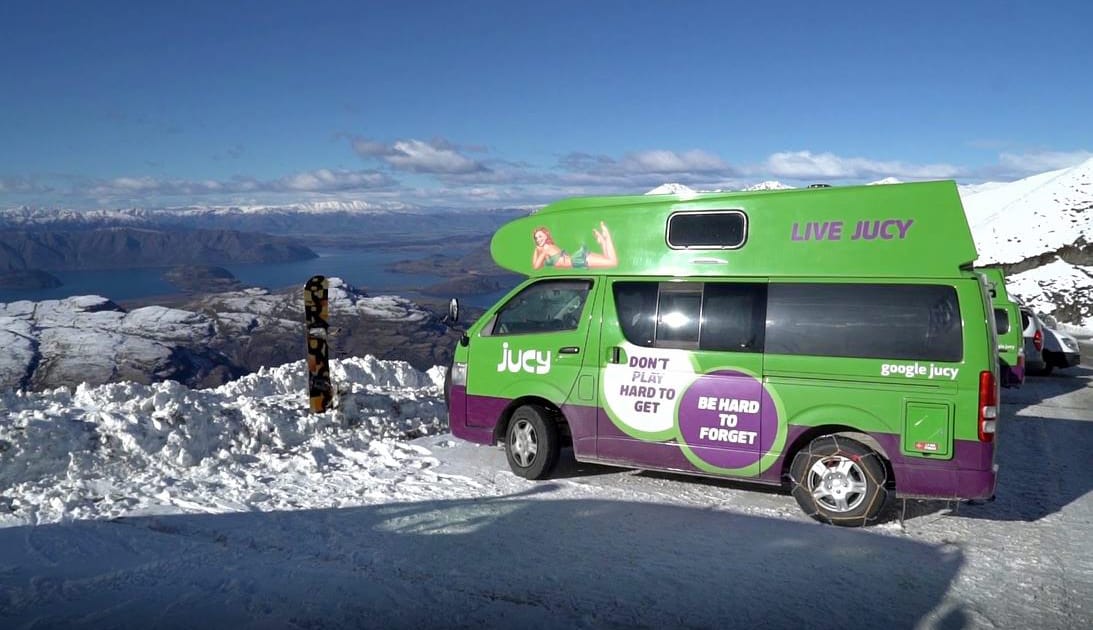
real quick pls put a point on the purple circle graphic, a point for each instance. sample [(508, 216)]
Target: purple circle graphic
[(728, 419)]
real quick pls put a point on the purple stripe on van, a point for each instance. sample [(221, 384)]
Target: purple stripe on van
[(968, 475), (1013, 376)]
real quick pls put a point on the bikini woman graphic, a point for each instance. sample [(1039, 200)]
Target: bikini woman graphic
[(549, 254)]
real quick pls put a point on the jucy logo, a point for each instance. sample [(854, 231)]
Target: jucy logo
[(530, 361)]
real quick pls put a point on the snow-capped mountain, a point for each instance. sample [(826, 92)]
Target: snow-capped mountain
[(672, 188), (768, 185), (26, 215)]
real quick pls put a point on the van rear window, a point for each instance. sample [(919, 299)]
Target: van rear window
[(723, 229), (1001, 321), (875, 321)]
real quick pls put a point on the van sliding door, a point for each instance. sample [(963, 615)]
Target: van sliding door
[(682, 374)]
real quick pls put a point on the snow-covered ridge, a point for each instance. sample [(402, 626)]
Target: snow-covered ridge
[(672, 188), (1022, 219), (767, 185), (40, 216), (102, 451)]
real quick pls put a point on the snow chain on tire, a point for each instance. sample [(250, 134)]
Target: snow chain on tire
[(807, 501)]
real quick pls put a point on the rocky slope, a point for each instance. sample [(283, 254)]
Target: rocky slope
[(207, 342)]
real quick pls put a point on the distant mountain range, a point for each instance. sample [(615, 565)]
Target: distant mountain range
[(34, 242), (329, 222), (27, 256)]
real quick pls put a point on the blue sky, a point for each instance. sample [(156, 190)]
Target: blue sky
[(485, 104)]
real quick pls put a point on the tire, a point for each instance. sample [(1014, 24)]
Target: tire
[(531, 443), (839, 481)]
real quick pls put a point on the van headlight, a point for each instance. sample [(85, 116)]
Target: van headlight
[(459, 374)]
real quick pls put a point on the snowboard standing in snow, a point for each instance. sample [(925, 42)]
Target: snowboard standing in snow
[(320, 389)]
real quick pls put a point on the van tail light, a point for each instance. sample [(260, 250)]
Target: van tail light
[(988, 405), (1038, 340)]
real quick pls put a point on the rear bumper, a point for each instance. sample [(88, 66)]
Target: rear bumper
[(1062, 360), (1012, 376), (925, 483)]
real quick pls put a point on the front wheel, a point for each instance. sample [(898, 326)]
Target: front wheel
[(840, 481), (531, 443)]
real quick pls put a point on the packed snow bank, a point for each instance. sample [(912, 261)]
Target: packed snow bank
[(1058, 288), (126, 448)]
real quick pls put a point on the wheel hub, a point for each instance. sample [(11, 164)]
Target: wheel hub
[(524, 443), (837, 483)]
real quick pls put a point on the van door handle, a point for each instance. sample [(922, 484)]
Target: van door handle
[(617, 355), (569, 350)]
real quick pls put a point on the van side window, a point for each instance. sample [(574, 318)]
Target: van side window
[(699, 316), (733, 317), (636, 303), (548, 306), (679, 311), (876, 321)]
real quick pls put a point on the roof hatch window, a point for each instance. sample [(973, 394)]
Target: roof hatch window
[(720, 229)]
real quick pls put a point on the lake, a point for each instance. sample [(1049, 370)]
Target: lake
[(362, 268)]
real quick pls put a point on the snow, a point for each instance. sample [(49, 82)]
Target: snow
[(1055, 285), (768, 185), (1025, 218), (137, 506), (672, 188)]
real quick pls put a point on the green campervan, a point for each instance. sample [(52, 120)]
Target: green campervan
[(1007, 318), (834, 340)]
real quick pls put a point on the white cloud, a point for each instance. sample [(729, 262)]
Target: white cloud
[(326, 180), (1022, 164), (662, 161), (22, 185), (652, 161), (320, 181), (418, 156), (809, 165)]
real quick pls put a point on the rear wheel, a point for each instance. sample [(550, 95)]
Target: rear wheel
[(531, 443), (839, 480)]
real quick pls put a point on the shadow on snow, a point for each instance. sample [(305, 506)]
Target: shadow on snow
[(514, 561)]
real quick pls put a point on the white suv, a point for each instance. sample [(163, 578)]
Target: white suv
[(1034, 341), (1060, 349)]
